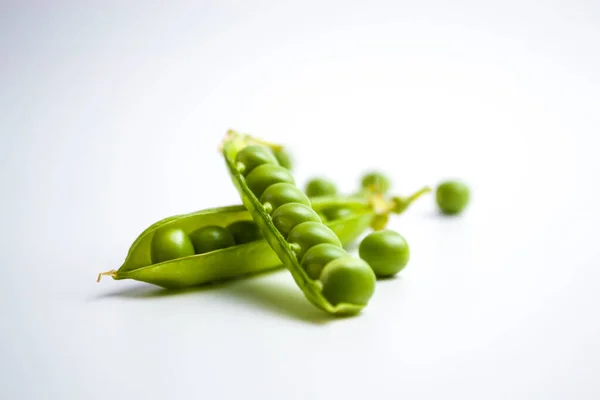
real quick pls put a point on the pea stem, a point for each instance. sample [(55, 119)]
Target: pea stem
[(402, 203), (418, 193), (112, 273), (380, 204), (382, 208)]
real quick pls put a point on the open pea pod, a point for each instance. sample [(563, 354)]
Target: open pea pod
[(231, 262), (340, 284)]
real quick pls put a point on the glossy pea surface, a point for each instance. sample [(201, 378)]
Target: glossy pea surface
[(320, 187), (318, 256), (282, 193), (253, 156), (169, 244), (288, 216), (452, 197), (284, 158), (244, 232), (386, 251), (210, 238), (266, 175), (309, 234), (348, 280), (376, 182)]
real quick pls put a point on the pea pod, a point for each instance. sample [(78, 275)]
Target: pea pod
[(346, 283), (231, 262)]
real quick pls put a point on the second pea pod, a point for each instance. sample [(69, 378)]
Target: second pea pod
[(329, 277), (220, 243)]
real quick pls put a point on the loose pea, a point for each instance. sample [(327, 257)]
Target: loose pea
[(266, 175), (286, 217), (283, 193), (348, 280), (244, 232), (169, 244), (320, 187), (284, 158), (386, 251), (376, 182), (210, 238), (309, 234), (318, 256), (337, 213), (452, 197), (251, 157)]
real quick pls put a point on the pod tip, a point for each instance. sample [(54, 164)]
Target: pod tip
[(112, 273)]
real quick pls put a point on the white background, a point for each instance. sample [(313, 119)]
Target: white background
[(110, 119)]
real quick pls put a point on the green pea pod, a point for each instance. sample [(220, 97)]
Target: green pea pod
[(232, 262), (250, 183)]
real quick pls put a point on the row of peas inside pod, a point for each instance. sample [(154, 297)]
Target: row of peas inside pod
[(173, 243), (329, 276)]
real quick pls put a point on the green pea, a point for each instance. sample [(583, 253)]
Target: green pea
[(348, 280), (286, 217), (376, 182), (169, 244), (320, 187), (337, 213), (266, 175), (283, 193), (386, 251), (309, 234), (251, 157), (284, 158), (244, 232), (452, 197), (318, 256), (210, 238)]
